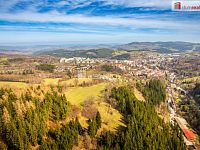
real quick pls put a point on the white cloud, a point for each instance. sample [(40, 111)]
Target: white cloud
[(7, 4), (56, 17), (132, 21)]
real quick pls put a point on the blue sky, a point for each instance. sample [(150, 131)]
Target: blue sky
[(94, 22)]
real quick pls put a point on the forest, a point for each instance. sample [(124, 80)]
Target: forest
[(153, 91), (46, 67), (190, 107), (25, 122), (144, 128)]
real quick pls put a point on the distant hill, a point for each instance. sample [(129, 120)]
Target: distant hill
[(9, 51), (161, 47), (123, 51), (92, 53)]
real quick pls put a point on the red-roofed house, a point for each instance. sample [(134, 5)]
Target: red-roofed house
[(188, 134)]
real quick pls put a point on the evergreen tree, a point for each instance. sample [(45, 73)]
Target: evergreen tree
[(92, 128), (98, 120), (144, 128)]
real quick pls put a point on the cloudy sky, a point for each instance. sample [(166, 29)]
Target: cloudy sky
[(94, 22)]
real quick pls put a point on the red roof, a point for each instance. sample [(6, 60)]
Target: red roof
[(189, 134)]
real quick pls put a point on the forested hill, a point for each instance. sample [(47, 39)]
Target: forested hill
[(124, 51), (24, 122), (31, 122), (145, 129), (93, 53), (162, 47)]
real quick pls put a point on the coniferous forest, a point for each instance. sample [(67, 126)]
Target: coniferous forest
[(25, 120), (145, 129)]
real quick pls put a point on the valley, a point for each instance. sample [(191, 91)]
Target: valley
[(87, 84)]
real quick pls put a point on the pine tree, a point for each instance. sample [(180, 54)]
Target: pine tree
[(92, 128), (98, 120), (78, 126)]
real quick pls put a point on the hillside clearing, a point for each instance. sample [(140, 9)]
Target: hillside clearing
[(111, 118), (76, 95)]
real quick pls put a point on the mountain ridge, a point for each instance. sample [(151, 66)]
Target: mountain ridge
[(107, 51), (124, 51)]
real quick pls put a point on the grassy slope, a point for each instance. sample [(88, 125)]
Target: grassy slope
[(111, 118), (76, 95), (51, 81), (3, 58), (13, 84)]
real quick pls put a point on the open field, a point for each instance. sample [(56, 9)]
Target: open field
[(13, 84), (111, 118), (3, 58), (17, 87), (51, 81), (76, 95)]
